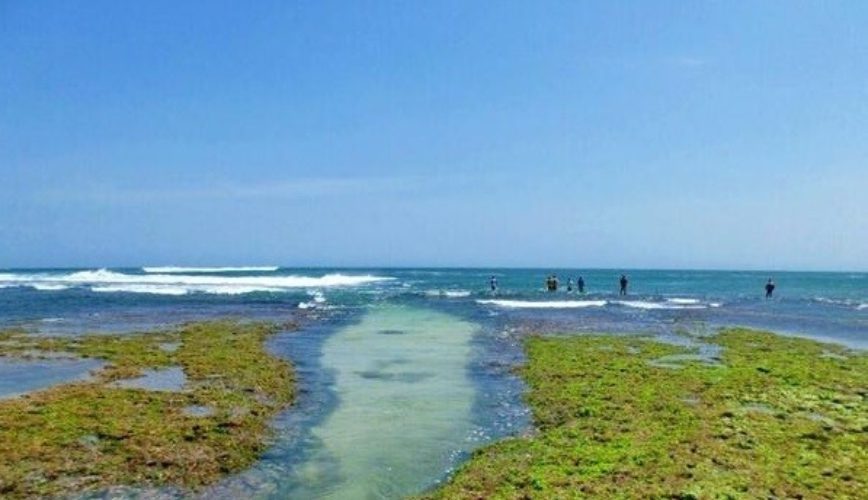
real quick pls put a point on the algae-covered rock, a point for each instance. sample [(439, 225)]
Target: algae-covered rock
[(777, 417)]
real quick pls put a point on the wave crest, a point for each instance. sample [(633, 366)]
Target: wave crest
[(181, 270), (549, 304), (106, 281)]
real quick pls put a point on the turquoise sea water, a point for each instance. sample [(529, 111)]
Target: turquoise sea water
[(403, 372)]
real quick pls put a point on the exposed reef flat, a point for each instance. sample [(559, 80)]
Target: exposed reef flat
[(211, 420), (774, 417)]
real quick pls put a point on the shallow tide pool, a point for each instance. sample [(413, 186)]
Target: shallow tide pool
[(19, 376), (397, 417)]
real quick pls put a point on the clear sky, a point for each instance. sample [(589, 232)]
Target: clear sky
[(590, 134)]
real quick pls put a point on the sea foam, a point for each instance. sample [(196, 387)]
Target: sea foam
[(106, 281), (452, 294), (678, 300), (181, 270), (644, 304), (549, 304)]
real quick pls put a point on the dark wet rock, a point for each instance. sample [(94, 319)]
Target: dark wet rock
[(392, 332), (407, 377)]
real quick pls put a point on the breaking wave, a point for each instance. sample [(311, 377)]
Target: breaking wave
[(858, 305), (550, 304), (685, 302), (576, 304), (49, 287), (105, 281), (452, 294), (181, 270), (644, 304), (318, 300)]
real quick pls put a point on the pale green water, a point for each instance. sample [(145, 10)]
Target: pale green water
[(404, 408)]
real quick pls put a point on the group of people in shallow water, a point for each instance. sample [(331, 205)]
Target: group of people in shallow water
[(552, 284)]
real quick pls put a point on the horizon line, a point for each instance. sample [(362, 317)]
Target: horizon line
[(441, 267)]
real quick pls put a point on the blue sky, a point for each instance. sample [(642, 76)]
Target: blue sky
[(586, 134)]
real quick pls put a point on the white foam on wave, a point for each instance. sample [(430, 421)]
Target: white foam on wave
[(644, 304), (848, 303), (49, 287), (452, 294), (681, 301), (550, 304), (181, 270), (106, 281)]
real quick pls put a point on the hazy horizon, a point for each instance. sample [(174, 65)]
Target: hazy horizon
[(553, 268), (666, 135)]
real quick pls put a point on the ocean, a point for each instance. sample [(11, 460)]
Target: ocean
[(404, 372)]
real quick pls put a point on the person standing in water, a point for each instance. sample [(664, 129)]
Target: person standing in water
[(493, 283), (569, 284), (581, 284), (770, 288), (623, 281), (555, 283)]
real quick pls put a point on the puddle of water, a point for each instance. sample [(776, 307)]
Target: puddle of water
[(19, 377), (199, 411), (677, 361), (758, 408), (170, 346), (168, 379)]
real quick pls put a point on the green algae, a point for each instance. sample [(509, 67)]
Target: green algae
[(778, 417), (91, 435)]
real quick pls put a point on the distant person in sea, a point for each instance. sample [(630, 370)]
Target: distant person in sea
[(770, 288), (552, 283), (624, 282), (569, 284), (581, 284), (493, 283)]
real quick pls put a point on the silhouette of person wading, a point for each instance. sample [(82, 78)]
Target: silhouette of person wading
[(623, 281), (552, 283), (770, 288)]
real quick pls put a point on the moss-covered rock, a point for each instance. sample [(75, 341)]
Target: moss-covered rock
[(95, 434), (776, 417)]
